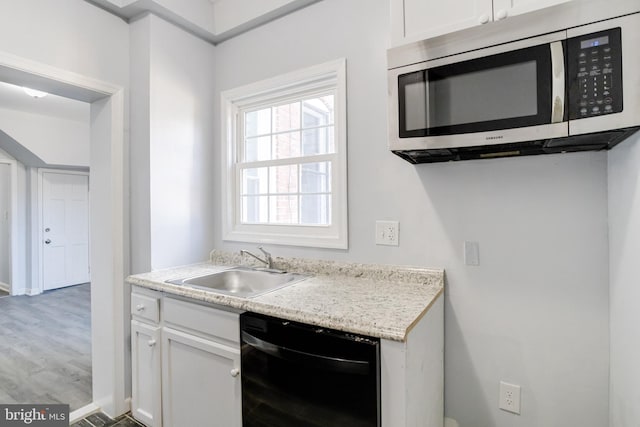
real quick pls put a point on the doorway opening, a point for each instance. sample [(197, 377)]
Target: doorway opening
[(107, 225), (45, 338)]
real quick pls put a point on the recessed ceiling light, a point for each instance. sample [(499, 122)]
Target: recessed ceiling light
[(35, 93)]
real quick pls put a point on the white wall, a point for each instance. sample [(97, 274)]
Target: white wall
[(71, 35), (19, 274), (140, 36), (535, 312), (624, 238), (5, 225), (55, 140), (174, 144)]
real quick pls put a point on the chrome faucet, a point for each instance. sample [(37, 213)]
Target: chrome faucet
[(267, 261)]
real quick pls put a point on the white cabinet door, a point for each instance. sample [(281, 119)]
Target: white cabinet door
[(502, 9), (413, 20), (146, 399), (200, 382)]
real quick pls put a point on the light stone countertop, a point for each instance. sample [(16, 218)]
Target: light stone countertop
[(376, 300)]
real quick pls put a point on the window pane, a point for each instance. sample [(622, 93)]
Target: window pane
[(317, 111), (257, 122), (283, 209), (283, 179), (257, 149), (286, 117), (286, 145), (315, 210), (318, 141), (315, 177), (255, 209), (255, 181)]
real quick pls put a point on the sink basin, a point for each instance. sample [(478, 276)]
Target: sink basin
[(241, 281)]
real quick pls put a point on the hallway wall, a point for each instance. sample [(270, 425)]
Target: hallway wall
[(18, 279), (5, 234)]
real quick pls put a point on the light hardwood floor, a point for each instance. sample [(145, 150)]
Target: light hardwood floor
[(45, 347)]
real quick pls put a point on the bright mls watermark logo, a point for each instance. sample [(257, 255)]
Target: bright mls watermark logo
[(34, 415)]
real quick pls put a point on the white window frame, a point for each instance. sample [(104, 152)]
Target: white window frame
[(323, 77)]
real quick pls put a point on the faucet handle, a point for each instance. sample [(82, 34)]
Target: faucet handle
[(268, 257)]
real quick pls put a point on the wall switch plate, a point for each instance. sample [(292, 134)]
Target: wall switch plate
[(471, 253), (387, 233), (509, 397)]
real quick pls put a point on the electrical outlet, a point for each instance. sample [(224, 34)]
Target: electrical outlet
[(387, 233), (509, 397)]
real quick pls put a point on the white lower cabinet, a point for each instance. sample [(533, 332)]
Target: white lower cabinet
[(200, 382), (185, 363), (145, 365), (412, 374), (186, 366)]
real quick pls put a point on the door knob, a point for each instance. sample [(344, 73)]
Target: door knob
[(483, 19), (151, 343), (46, 230), (235, 372), (502, 14), (47, 241)]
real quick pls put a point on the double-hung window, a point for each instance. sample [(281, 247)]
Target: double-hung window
[(285, 160)]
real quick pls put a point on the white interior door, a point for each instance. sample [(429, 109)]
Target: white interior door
[(5, 224), (65, 229)]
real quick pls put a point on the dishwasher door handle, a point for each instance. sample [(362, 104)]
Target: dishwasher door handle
[(335, 364)]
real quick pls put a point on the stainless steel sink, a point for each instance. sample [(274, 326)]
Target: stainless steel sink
[(241, 281)]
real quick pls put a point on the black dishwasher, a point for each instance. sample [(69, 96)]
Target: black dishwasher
[(297, 375)]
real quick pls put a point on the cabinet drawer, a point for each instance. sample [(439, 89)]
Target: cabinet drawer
[(145, 307), (201, 318)]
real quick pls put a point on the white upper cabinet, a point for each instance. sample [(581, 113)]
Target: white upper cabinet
[(503, 9), (414, 20)]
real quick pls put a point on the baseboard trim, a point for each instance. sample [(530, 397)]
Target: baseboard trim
[(80, 413), (33, 292), (5, 287)]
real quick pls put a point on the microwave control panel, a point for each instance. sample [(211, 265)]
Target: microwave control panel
[(595, 74)]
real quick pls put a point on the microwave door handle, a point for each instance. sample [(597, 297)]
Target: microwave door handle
[(427, 102), (335, 364), (557, 82)]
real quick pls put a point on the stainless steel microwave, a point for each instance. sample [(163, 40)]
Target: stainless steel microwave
[(571, 90)]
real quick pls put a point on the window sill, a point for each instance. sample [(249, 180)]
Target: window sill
[(299, 239)]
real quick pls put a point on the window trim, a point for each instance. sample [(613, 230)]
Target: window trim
[(330, 75)]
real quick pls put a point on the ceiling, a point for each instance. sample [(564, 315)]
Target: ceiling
[(212, 20), (14, 98)]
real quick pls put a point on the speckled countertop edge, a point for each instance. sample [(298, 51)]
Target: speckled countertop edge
[(382, 301)]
